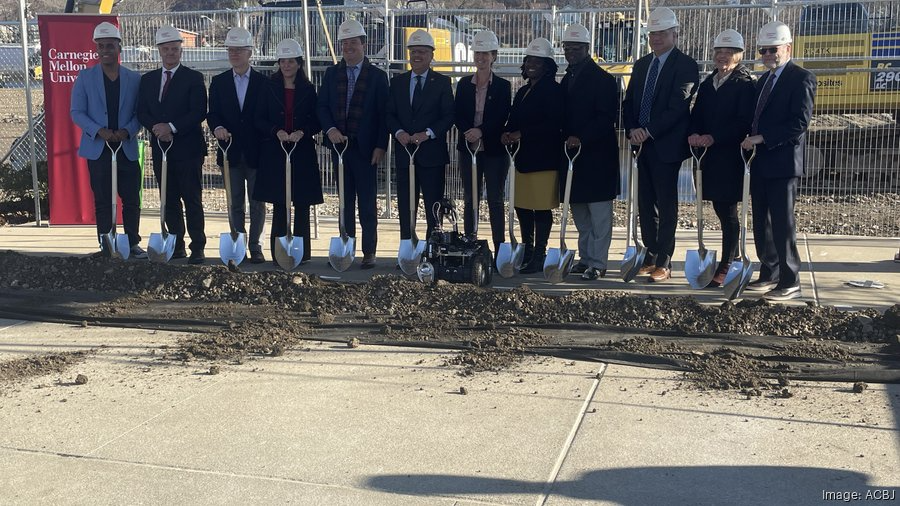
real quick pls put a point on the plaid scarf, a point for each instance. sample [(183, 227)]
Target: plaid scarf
[(348, 123)]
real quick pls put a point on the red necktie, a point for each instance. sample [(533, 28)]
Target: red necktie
[(166, 85)]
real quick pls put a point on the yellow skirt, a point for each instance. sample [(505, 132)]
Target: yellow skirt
[(537, 190)]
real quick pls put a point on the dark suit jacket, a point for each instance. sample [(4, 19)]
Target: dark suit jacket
[(306, 181), (783, 123), (184, 106), (496, 112), (591, 111), (671, 109), (225, 111), (725, 114), (373, 131), (434, 110), (538, 114)]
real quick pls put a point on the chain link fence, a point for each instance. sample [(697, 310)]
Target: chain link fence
[(853, 48)]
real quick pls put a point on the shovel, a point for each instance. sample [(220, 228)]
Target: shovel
[(162, 245), (634, 254), (510, 254), (342, 249), (558, 263), (700, 263), (739, 273), (232, 245), (411, 250), (475, 185), (288, 249), (117, 245)]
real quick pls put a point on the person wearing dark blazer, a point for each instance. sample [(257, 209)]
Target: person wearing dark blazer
[(286, 113), (656, 113), (172, 107), (352, 108), (782, 111), (482, 108), (591, 111), (719, 122), (419, 114), (233, 95), (535, 121), (104, 106)]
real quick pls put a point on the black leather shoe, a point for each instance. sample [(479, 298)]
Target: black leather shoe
[(197, 258), (368, 261), (179, 253), (257, 257), (580, 268)]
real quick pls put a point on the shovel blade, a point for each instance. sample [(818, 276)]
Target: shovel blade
[(288, 252), (341, 253), (161, 247), (558, 264), (123, 246), (410, 256), (117, 245), (509, 259), (632, 262), (738, 277), (699, 268), (231, 249)]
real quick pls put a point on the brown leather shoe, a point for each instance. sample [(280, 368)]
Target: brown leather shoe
[(660, 274), (368, 261), (646, 269)]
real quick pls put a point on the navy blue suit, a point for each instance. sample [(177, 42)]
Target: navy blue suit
[(775, 172)]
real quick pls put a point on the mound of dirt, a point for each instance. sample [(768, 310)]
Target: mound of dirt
[(38, 365)]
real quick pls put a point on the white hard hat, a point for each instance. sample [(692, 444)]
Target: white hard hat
[(107, 30), (729, 38), (485, 40), (662, 18), (288, 48), (576, 33), (167, 33), (350, 29), (238, 37), (420, 38), (775, 33), (539, 47)]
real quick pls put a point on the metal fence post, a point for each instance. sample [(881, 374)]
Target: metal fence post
[(26, 70)]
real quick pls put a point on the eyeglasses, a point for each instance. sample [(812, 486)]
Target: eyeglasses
[(768, 50)]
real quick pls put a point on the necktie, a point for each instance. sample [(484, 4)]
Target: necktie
[(351, 84), (761, 104), (649, 88), (166, 85), (417, 89)]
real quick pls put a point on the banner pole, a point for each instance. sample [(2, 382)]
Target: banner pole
[(27, 73)]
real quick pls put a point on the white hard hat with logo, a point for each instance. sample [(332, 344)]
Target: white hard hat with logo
[(350, 29), (485, 40), (539, 47), (106, 30), (729, 38), (662, 18), (238, 37), (288, 48), (775, 33), (420, 38), (167, 33), (576, 33)]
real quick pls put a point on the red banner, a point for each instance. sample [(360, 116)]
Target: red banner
[(67, 47)]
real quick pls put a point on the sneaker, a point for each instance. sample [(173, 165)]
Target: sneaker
[(138, 253), (761, 285), (580, 268), (782, 294), (592, 273)]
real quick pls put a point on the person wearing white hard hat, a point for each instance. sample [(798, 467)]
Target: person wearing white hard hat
[(591, 110), (535, 121), (286, 115), (656, 112), (172, 107), (483, 100), (233, 95), (781, 112), (352, 108), (104, 106), (719, 122), (419, 114)]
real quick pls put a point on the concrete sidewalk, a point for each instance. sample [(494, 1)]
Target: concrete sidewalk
[(828, 261)]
